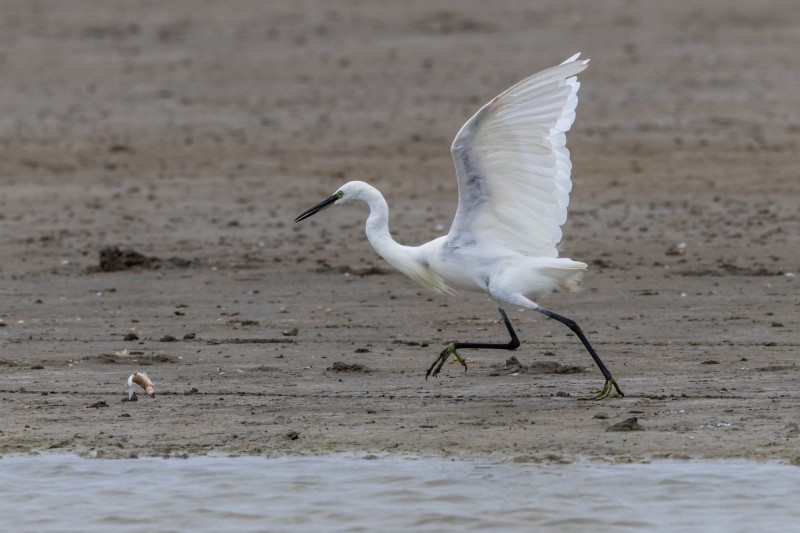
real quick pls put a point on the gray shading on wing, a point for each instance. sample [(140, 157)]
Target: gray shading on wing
[(513, 165)]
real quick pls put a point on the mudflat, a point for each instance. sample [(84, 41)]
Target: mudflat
[(177, 142)]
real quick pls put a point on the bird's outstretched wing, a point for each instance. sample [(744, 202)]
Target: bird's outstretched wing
[(513, 165)]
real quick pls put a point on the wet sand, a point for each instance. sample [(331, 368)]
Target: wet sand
[(195, 134)]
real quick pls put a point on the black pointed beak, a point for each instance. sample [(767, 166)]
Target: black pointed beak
[(317, 208)]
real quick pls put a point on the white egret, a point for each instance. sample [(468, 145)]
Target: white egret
[(513, 172)]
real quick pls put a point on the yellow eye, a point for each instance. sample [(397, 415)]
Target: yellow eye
[(339, 194)]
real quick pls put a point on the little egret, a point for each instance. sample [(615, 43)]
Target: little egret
[(513, 172)]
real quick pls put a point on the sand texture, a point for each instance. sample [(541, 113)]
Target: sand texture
[(180, 139)]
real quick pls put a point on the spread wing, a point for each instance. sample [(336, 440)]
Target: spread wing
[(513, 165)]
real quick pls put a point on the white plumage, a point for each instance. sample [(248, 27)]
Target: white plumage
[(513, 164), (513, 172)]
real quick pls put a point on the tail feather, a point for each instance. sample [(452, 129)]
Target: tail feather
[(568, 278)]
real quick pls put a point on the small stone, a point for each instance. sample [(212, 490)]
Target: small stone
[(293, 435), (601, 416), (191, 391), (189, 336), (97, 405), (777, 325), (291, 332), (131, 337), (677, 249), (710, 362), (37, 367), (630, 424), (168, 338), (339, 366)]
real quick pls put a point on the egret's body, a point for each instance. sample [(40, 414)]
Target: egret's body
[(446, 265), (513, 173)]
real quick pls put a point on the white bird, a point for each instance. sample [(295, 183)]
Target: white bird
[(513, 172)]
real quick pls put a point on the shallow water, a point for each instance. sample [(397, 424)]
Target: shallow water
[(339, 493)]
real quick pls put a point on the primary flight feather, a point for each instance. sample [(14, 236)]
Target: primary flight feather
[(513, 165)]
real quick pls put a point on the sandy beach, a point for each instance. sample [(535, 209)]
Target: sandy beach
[(192, 135)]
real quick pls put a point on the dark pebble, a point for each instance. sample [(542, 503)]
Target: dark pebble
[(630, 424)]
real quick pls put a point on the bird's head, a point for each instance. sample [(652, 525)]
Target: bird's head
[(352, 190)]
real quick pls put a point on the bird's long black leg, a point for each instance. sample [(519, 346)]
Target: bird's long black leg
[(513, 344), (571, 324)]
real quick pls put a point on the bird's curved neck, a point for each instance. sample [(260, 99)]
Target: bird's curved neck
[(413, 261), (401, 257), (377, 227)]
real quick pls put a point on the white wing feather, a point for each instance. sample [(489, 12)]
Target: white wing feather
[(513, 165)]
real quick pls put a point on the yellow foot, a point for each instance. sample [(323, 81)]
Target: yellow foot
[(437, 365), (606, 390), (458, 357)]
